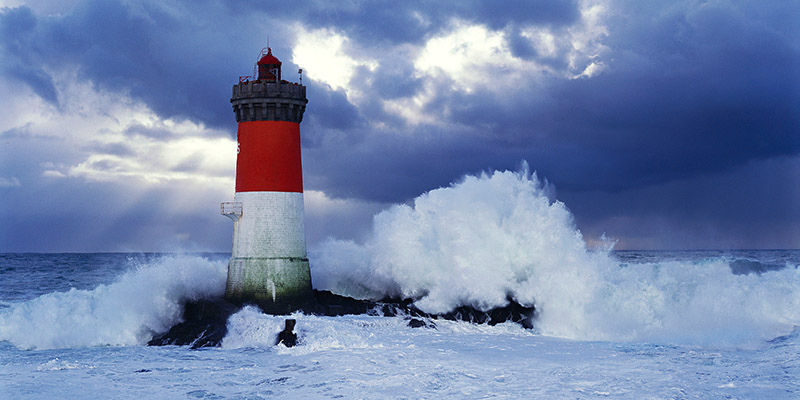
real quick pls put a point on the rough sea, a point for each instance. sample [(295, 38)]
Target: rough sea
[(610, 324)]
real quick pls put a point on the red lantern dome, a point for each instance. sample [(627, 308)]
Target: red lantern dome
[(269, 67)]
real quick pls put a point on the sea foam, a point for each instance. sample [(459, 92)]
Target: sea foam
[(499, 235), (145, 300), (475, 243)]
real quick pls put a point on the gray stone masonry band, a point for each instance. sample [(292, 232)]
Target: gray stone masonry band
[(269, 101)]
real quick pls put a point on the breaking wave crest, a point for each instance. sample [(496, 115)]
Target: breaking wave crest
[(498, 235), (476, 243), (145, 300)]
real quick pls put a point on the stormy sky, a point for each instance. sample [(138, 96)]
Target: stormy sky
[(661, 125)]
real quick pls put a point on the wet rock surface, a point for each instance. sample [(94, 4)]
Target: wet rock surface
[(204, 325), (205, 322), (287, 337), (418, 323)]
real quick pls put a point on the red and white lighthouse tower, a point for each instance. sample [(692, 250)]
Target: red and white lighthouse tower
[(269, 265)]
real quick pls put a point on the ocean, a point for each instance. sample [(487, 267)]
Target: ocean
[(609, 324)]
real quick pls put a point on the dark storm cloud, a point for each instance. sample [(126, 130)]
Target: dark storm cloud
[(689, 90), (17, 26), (178, 66), (392, 168), (328, 110), (751, 206), (162, 59), (674, 126), (392, 22), (684, 94), (147, 53), (395, 78)]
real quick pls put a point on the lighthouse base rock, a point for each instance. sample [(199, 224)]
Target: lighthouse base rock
[(205, 322)]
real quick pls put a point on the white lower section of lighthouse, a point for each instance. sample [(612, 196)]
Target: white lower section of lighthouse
[(269, 264), (271, 225)]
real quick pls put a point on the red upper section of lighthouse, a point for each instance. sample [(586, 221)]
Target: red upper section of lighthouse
[(269, 157), (269, 67)]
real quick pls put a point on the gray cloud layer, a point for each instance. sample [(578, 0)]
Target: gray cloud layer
[(690, 91)]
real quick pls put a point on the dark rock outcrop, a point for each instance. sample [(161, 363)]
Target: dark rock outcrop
[(331, 304), (513, 312), (418, 323), (205, 322), (204, 325), (287, 337)]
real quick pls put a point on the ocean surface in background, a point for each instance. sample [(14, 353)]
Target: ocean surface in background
[(75, 326), (609, 324)]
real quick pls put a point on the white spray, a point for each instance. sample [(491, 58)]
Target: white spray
[(127, 312), (498, 235)]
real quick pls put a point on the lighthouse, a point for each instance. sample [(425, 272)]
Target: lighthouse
[(269, 264)]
